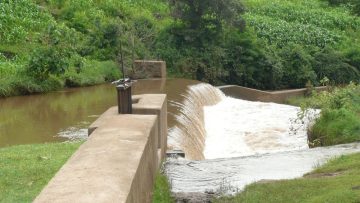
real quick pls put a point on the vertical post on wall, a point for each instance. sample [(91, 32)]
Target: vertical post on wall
[(124, 97), (123, 87)]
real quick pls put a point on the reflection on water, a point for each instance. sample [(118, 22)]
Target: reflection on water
[(64, 115)]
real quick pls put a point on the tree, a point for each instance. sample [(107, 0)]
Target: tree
[(202, 21)]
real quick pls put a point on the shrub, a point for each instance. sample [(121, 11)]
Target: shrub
[(339, 121), (297, 66), (47, 61), (333, 65)]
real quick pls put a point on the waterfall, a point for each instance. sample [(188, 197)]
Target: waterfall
[(189, 134)]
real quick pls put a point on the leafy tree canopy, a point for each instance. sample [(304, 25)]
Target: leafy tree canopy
[(203, 20)]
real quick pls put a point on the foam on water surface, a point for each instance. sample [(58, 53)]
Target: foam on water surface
[(236, 127)]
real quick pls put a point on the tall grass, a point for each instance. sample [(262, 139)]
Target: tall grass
[(339, 121)]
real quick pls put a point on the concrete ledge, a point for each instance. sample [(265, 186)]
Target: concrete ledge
[(264, 96), (145, 104), (117, 163)]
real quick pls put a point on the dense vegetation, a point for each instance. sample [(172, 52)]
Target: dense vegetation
[(274, 44), (49, 44), (337, 181), (339, 121), (25, 170)]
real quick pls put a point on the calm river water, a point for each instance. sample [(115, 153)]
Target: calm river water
[(64, 115)]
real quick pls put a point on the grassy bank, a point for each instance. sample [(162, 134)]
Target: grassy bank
[(25, 170), (162, 193), (339, 121), (48, 45), (337, 181)]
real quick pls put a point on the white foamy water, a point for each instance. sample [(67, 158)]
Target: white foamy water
[(236, 127), (231, 175), (189, 135), (242, 142), (77, 132)]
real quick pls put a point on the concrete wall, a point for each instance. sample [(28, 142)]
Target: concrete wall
[(118, 162), (264, 96), (148, 69)]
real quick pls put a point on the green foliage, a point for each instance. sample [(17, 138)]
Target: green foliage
[(19, 18), (297, 66), (91, 73), (300, 22), (162, 193), (46, 44), (354, 4), (333, 65), (46, 61), (339, 121), (311, 39), (201, 22), (248, 64), (285, 44)]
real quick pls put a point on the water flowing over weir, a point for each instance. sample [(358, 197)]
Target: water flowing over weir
[(230, 143), (190, 134), (231, 175)]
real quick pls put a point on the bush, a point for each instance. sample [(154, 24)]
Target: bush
[(92, 73), (337, 126), (46, 61), (339, 121), (333, 65)]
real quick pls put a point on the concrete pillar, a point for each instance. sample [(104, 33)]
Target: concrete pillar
[(148, 69)]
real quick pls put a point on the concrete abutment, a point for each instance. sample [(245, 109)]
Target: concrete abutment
[(120, 159)]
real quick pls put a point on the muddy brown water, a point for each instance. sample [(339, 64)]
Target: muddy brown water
[(61, 115)]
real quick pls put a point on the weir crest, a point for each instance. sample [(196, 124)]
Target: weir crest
[(190, 134)]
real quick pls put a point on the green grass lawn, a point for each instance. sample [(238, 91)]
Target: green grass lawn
[(336, 181), (25, 170)]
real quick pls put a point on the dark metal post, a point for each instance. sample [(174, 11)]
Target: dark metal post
[(124, 97)]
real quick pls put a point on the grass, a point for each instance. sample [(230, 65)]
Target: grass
[(310, 22), (162, 193), (25, 170), (339, 121), (336, 181)]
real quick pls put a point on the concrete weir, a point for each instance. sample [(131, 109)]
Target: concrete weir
[(118, 162)]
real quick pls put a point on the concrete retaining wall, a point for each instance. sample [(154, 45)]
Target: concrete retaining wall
[(148, 69), (118, 162), (264, 96)]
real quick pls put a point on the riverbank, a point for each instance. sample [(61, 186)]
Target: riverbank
[(48, 45), (26, 169), (336, 181), (19, 82), (339, 120)]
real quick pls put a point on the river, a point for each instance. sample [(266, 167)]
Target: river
[(66, 114)]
